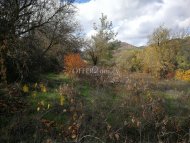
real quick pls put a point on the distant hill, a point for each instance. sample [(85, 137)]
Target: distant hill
[(125, 45)]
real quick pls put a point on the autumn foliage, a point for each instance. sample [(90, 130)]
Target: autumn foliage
[(183, 75), (73, 62)]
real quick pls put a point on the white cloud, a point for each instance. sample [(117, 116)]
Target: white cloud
[(134, 20)]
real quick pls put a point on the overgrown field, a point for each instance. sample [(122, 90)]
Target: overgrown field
[(92, 110), (58, 84)]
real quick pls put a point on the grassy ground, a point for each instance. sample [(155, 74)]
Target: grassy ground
[(109, 111)]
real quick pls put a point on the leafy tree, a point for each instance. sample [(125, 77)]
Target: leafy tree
[(151, 62), (164, 49), (159, 36), (100, 46)]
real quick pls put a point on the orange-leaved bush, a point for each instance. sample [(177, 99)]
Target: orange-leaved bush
[(73, 62), (183, 75)]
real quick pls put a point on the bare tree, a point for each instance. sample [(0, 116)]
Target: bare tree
[(19, 17), (24, 24)]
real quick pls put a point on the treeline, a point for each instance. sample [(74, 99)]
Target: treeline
[(166, 52), (34, 37)]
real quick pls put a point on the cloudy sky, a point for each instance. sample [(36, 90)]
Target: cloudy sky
[(134, 20)]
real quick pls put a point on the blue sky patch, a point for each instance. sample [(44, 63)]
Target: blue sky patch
[(81, 1)]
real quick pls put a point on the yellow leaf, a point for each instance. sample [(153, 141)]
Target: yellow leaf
[(35, 85), (70, 127), (38, 109), (48, 106), (62, 99), (25, 89), (43, 88)]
